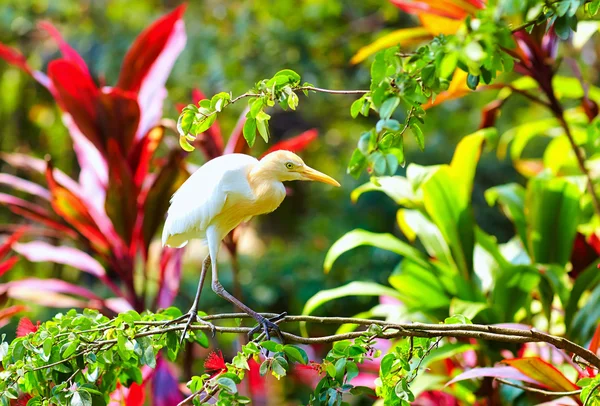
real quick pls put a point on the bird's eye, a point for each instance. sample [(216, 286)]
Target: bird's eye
[(289, 165)]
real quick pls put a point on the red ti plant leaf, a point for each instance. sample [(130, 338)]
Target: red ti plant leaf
[(543, 372), (494, 372), (78, 96), (148, 64), (595, 343), (141, 155), (119, 116), (121, 196), (9, 312), (51, 293), (74, 211), (15, 58), (146, 49), (10, 241), (68, 52), (295, 144), (7, 265), (24, 185)]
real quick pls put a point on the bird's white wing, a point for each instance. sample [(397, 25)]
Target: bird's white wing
[(203, 195)]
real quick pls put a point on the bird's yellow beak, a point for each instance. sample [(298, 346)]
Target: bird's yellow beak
[(312, 174)]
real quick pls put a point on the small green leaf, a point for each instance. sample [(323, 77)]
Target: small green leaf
[(388, 106), (249, 131), (295, 353), (185, 144), (472, 81), (358, 162), (364, 143), (340, 369), (256, 106), (81, 398), (448, 64), (379, 164), (263, 129), (356, 107), (228, 384), (294, 77), (264, 367), (278, 369), (272, 346), (392, 163), (418, 133), (378, 69), (70, 349), (330, 368)]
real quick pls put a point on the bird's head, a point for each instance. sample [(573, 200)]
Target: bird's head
[(285, 166)]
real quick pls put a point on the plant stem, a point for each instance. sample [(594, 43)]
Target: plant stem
[(540, 391), (330, 91)]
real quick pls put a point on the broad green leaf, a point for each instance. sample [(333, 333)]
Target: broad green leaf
[(296, 354), (552, 215), (228, 384), (588, 279), (448, 64), (385, 241), (351, 289), (396, 187), (521, 135), (586, 319), (413, 223), (387, 108), (511, 198), (249, 131), (466, 308), (512, 290)]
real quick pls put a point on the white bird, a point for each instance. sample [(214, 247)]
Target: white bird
[(223, 193)]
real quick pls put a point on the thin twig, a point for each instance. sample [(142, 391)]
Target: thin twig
[(540, 391), (330, 91)]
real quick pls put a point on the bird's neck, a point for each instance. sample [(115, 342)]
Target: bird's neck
[(263, 183)]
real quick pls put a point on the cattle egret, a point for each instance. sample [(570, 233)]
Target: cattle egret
[(223, 193)]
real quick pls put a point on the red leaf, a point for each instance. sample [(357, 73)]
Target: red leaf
[(595, 343), (143, 152), (78, 96), (541, 371), (146, 50), (74, 211), (10, 200), (295, 144), (136, 395), (440, 8), (26, 326), (53, 225), (14, 57), (236, 142), (490, 113), (8, 243), (6, 265), (39, 251), (122, 194), (9, 312), (68, 52), (494, 372)]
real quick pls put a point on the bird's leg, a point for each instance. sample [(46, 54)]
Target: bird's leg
[(263, 323), (192, 314)]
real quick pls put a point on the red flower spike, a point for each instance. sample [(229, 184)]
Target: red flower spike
[(26, 326), (215, 363)]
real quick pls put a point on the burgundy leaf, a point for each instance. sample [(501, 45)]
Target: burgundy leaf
[(119, 116), (494, 372), (490, 113), (295, 144), (67, 51), (39, 251), (165, 390), (24, 185), (236, 142), (170, 276), (121, 196)]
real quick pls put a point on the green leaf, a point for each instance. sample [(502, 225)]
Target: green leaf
[(264, 367), (448, 64), (552, 215), (228, 384), (511, 198), (340, 369), (185, 144), (392, 163), (352, 289), (357, 107), (272, 346), (295, 353), (388, 106), (256, 107), (396, 187), (414, 224), (357, 164), (278, 369), (70, 348), (418, 133), (472, 81), (360, 237), (379, 163), (249, 131), (465, 308), (262, 126), (378, 69), (293, 76), (330, 369), (421, 288), (81, 398)]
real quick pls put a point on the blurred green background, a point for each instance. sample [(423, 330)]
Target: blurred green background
[(230, 46)]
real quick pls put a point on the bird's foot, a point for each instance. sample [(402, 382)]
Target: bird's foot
[(267, 325), (190, 317)]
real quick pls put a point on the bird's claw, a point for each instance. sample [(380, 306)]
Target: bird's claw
[(190, 316), (268, 325)]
